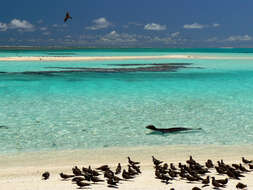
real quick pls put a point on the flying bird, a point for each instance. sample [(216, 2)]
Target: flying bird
[(67, 17)]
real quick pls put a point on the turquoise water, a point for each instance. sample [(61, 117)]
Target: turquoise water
[(73, 110)]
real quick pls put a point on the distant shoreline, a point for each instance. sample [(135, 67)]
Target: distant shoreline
[(89, 58), (102, 58)]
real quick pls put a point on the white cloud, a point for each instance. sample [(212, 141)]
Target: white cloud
[(175, 34), (213, 39), (40, 21), (154, 26), (3, 27), (99, 23), (21, 24), (239, 38), (216, 25), (114, 37), (195, 25), (46, 33), (43, 28)]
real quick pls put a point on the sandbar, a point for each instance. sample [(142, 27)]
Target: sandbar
[(104, 58)]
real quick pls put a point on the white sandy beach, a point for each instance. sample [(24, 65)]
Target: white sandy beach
[(103, 58), (23, 171)]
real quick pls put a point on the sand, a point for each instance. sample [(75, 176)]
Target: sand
[(103, 58), (23, 171)]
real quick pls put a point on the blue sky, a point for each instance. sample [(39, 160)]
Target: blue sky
[(131, 23)]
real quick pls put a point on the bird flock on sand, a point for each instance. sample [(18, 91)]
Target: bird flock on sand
[(84, 177), (193, 171), (190, 172)]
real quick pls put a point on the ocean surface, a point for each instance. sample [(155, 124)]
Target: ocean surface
[(94, 104)]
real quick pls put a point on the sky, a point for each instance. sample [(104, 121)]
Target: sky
[(129, 23)]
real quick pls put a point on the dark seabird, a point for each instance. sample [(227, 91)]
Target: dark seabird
[(132, 162), (241, 186), (96, 179), (110, 181), (245, 161), (206, 181), (118, 169), (165, 166), (75, 179), (82, 184), (137, 168), (196, 188), (172, 166), (66, 176), (222, 181), (108, 174), (156, 162), (103, 168), (209, 164), (251, 166), (116, 179), (172, 173), (126, 175), (165, 178), (170, 130), (243, 169), (220, 170), (45, 175), (67, 17), (236, 166), (191, 161), (76, 171), (216, 184), (191, 178), (132, 171)]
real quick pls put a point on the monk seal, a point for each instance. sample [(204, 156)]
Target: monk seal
[(170, 130)]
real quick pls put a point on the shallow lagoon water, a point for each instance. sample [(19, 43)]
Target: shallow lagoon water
[(83, 110)]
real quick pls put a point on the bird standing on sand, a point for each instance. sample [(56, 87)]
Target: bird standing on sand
[(156, 161), (45, 175), (95, 179), (111, 182), (209, 164), (67, 17), (126, 175), (245, 161), (206, 181), (103, 168), (196, 188), (132, 162), (82, 184), (222, 181), (241, 186), (76, 171), (216, 184), (66, 176), (118, 169)]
